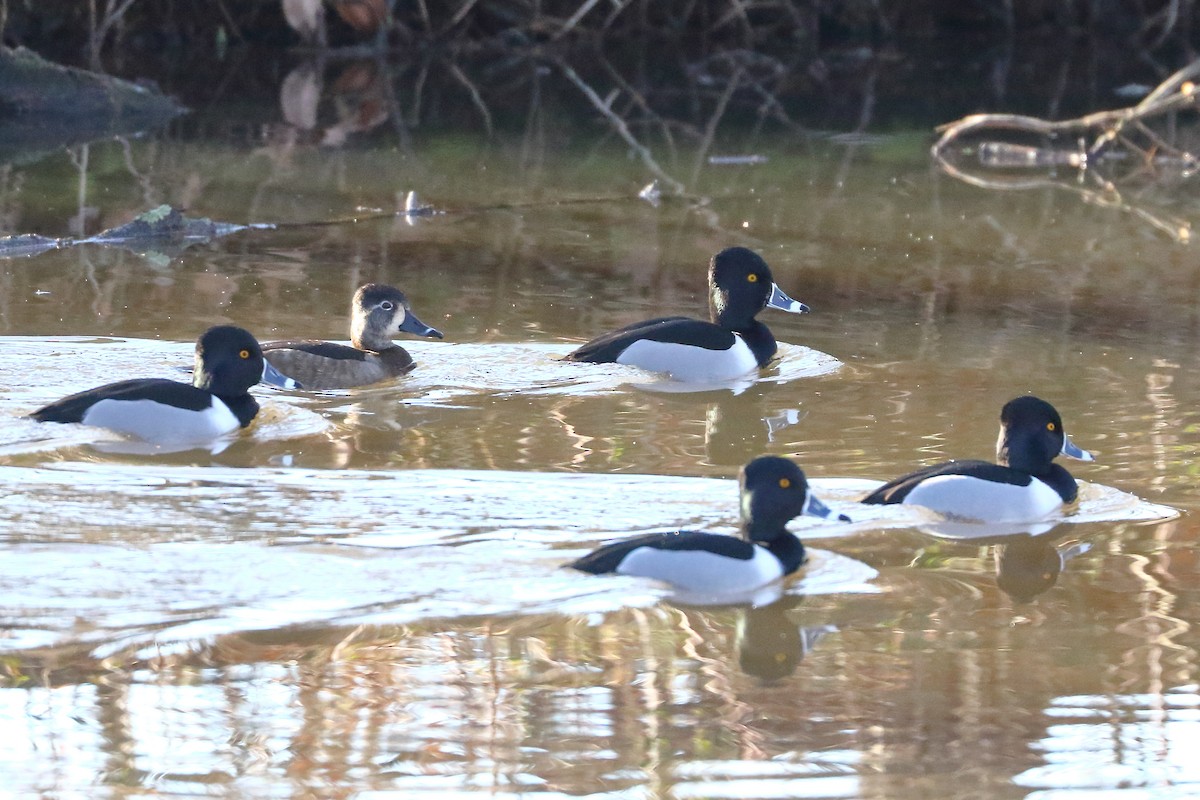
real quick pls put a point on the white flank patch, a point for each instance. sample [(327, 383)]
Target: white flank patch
[(971, 498), (702, 571), (691, 364), (158, 422)]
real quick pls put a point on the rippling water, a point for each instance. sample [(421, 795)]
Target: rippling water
[(362, 594)]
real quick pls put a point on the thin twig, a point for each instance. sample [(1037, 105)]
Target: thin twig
[(620, 127), (233, 26), (476, 98), (111, 16), (579, 14), (460, 14), (641, 103), (424, 12), (710, 130), (619, 8)]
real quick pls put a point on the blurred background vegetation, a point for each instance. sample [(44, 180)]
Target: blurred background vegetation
[(670, 84), (958, 55)]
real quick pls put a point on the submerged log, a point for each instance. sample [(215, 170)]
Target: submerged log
[(159, 234)]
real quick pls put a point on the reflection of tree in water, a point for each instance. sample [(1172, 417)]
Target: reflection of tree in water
[(1117, 159), (638, 697)]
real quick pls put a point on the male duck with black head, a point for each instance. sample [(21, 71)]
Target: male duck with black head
[(773, 491), (1025, 485), (730, 346), (377, 313), (218, 401)]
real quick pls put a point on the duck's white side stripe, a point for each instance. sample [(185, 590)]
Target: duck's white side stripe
[(159, 422), (972, 498), (702, 571), (691, 364)]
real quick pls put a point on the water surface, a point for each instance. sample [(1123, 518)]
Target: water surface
[(362, 594)]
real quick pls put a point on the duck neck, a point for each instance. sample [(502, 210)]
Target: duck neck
[(1061, 481), (789, 550), (397, 359), (782, 543), (244, 407), (364, 336), (363, 340), (1030, 456), (761, 342)]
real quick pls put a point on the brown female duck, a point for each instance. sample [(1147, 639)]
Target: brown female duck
[(377, 313)]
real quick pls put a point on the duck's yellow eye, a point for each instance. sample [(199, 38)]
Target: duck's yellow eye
[(784, 483), (1050, 426), (244, 354), (752, 278)]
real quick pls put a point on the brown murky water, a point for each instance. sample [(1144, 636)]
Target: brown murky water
[(360, 596)]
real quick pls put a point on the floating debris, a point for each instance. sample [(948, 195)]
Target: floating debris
[(651, 193), (1000, 155), (413, 207), (859, 138), (737, 160), (24, 245), (1133, 91), (164, 223), (157, 234)]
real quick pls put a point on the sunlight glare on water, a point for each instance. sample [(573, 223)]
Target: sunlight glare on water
[(339, 567), (1098, 742)]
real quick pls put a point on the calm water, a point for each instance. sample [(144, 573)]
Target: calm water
[(360, 596)]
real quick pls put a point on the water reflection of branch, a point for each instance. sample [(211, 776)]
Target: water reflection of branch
[(476, 97), (79, 159), (618, 125), (150, 194), (710, 130), (853, 140), (1102, 138), (642, 104), (1105, 196)]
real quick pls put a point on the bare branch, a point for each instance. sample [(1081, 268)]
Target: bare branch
[(620, 127)]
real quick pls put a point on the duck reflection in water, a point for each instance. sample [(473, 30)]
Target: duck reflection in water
[(1027, 566), (739, 424), (770, 643), (736, 426), (1028, 558)]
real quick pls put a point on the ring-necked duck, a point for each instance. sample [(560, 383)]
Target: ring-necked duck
[(228, 362), (1025, 485), (733, 344), (377, 313), (773, 492)]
